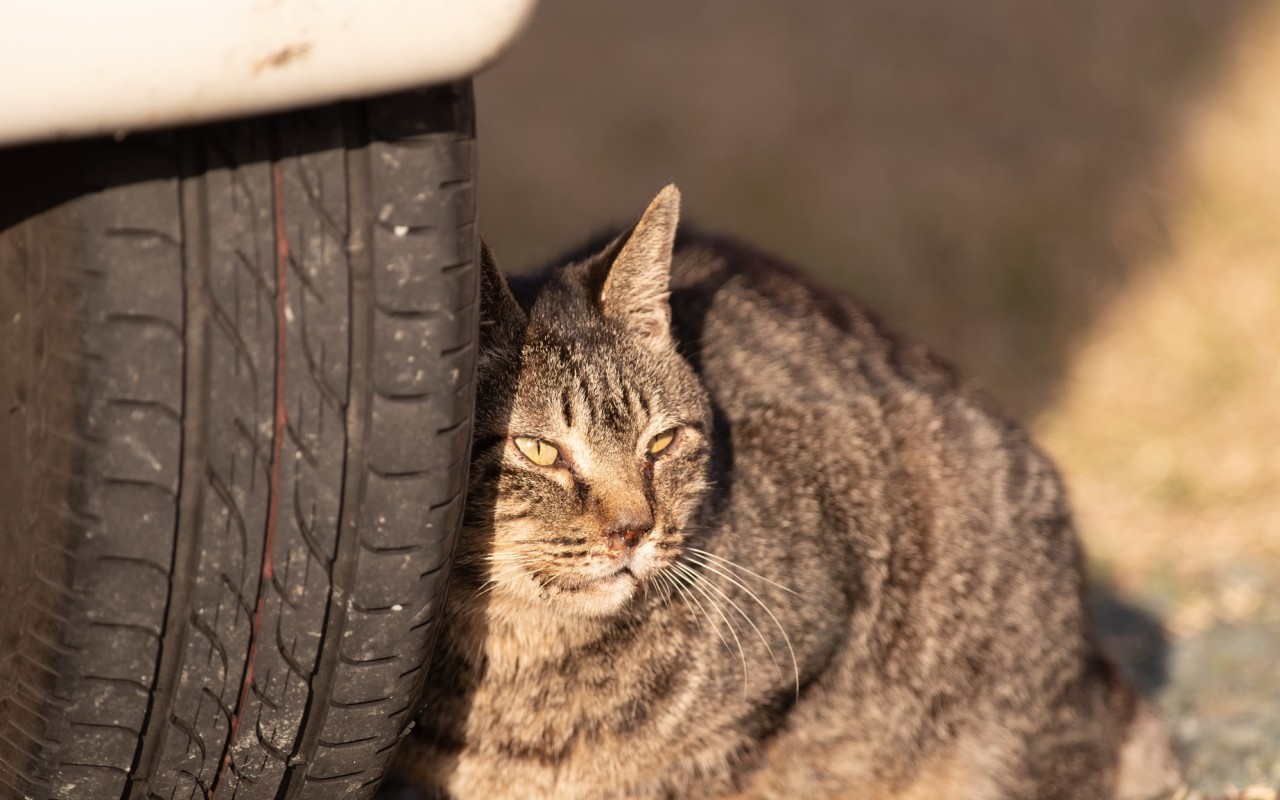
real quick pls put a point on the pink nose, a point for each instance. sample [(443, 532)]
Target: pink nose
[(625, 540), (628, 530)]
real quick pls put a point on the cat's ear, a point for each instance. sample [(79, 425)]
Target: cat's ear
[(502, 320), (637, 289)]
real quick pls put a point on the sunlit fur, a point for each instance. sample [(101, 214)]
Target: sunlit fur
[(591, 393), (847, 575)]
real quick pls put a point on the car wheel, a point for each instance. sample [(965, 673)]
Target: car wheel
[(235, 399)]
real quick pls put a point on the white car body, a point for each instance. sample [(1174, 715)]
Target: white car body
[(84, 67)]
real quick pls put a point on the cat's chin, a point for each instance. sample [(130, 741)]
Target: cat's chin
[(594, 591), (599, 597)]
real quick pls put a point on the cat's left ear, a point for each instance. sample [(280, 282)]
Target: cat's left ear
[(637, 290), (502, 320)]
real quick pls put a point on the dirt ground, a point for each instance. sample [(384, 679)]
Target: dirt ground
[(1076, 202)]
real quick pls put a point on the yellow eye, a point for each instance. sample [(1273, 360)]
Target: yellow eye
[(539, 452), (661, 442)]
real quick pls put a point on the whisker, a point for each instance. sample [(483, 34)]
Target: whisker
[(496, 577), (795, 664), (671, 582), (498, 558), (750, 621), (738, 566), (660, 586), (696, 581), (690, 596), (664, 582)]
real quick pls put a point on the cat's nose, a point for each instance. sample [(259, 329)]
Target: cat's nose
[(628, 530)]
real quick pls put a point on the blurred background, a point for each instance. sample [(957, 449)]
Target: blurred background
[(1078, 203)]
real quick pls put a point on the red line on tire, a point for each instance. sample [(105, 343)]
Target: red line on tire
[(273, 501)]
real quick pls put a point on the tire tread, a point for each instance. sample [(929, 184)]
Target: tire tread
[(154, 660)]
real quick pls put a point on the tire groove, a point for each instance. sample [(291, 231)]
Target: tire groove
[(104, 725), (262, 697), (126, 626), (300, 444), (215, 642), (38, 603), (314, 547), (82, 765), (368, 662), (410, 315), (262, 458), (327, 222), (406, 397), (282, 591), (33, 736), (391, 550), (266, 744), (221, 489), (359, 260), (242, 602), (10, 769), (18, 726), (142, 233), (259, 282), (304, 280), (145, 320), (229, 328), (279, 423), (111, 481), (326, 392), (329, 778), (135, 561), (217, 703), (193, 735), (127, 681), (350, 743), (295, 666)]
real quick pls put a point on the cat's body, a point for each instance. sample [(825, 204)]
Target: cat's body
[(906, 617)]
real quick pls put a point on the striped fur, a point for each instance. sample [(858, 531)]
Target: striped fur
[(860, 579)]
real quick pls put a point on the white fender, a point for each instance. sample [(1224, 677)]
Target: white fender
[(77, 67)]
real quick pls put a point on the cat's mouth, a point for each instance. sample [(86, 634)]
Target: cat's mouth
[(594, 595), (597, 588), (589, 582)]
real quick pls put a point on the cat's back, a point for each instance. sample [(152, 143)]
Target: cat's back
[(827, 409), (859, 455), (744, 316)]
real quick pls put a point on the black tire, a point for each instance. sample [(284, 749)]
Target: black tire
[(236, 383)]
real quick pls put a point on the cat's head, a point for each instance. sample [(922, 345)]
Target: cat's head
[(592, 432)]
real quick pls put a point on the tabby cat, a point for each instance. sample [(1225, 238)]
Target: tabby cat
[(727, 537)]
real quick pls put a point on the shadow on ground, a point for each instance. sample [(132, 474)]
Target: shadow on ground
[(1134, 636)]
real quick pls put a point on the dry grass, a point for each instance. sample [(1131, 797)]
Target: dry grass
[(1169, 423)]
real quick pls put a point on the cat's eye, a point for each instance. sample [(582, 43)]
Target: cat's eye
[(540, 452), (661, 442)]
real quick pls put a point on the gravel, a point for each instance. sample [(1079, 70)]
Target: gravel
[(1210, 656)]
